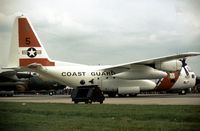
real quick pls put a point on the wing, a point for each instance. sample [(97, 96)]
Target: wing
[(30, 67), (127, 66)]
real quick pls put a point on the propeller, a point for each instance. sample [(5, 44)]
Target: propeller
[(184, 64)]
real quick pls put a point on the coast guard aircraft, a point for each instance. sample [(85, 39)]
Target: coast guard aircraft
[(179, 81), (28, 54)]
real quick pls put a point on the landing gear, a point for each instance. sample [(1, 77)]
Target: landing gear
[(182, 92), (50, 93), (122, 95), (112, 94), (133, 95), (6, 93)]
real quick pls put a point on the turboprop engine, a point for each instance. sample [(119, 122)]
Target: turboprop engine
[(141, 72), (169, 66)]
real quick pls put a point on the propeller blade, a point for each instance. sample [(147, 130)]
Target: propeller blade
[(186, 71), (184, 64)]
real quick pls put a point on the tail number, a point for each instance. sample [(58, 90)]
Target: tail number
[(28, 41)]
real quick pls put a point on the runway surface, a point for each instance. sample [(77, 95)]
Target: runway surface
[(142, 99)]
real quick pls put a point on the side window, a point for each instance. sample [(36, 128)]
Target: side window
[(193, 76)]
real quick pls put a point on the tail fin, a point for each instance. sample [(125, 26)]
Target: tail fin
[(26, 47)]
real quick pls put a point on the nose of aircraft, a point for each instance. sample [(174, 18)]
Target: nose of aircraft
[(197, 80)]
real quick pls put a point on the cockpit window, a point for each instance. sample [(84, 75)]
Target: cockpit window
[(193, 76)]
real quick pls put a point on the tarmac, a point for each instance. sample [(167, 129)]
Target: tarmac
[(141, 99)]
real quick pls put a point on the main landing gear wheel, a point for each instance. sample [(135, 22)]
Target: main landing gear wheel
[(182, 92), (132, 95), (122, 95)]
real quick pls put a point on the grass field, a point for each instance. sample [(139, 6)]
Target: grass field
[(96, 117)]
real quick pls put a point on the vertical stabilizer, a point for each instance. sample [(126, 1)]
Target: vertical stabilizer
[(26, 47), (13, 59)]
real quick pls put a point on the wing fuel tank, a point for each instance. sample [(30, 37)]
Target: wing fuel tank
[(141, 72)]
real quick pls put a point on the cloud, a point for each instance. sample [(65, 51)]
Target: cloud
[(107, 32)]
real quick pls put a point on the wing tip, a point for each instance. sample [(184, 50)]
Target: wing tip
[(191, 53)]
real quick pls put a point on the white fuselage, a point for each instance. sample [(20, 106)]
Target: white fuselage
[(82, 75), (74, 76), (184, 81)]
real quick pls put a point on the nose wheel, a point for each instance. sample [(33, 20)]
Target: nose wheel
[(182, 92)]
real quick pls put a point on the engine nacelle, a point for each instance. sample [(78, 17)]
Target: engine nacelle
[(169, 66), (129, 90), (141, 72)]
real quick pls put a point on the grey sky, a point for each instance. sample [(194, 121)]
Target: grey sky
[(107, 31)]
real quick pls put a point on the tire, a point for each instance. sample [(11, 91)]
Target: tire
[(122, 95), (182, 92), (133, 95), (51, 93)]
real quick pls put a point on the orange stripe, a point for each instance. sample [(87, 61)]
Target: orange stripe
[(167, 82), (42, 61), (27, 37)]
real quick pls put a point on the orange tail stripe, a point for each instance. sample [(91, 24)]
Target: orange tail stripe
[(27, 37), (167, 82), (42, 61)]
